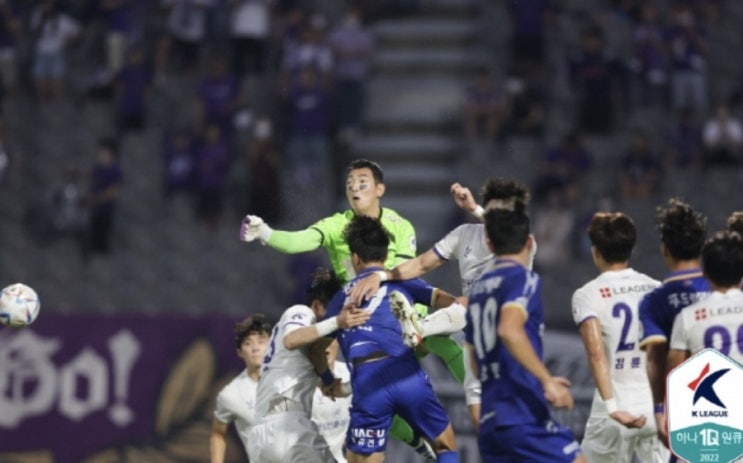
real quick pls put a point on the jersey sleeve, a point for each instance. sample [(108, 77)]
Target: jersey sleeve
[(651, 329), (582, 307), (335, 305), (222, 408), (420, 291), (679, 334), (330, 229), (297, 317), (448, 246), (295, 242), (518, 293), (405, 243)]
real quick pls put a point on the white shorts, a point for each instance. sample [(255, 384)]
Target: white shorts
[(289, 437), (607, 440)]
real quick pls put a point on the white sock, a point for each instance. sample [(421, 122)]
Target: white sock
[(448, 320)]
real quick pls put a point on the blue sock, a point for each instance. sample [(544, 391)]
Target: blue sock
[(447, 457)]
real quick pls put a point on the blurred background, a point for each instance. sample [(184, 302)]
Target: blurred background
[(135, 135)]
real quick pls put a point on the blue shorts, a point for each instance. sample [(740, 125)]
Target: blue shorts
[(383, 388), (550, 443)]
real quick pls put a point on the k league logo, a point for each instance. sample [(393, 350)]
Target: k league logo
[(705, 413)]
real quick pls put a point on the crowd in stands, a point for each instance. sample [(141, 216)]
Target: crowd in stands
[(278, 87), (274, 85), (637, 75)]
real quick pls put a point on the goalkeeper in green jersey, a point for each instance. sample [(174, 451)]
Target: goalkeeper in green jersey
[(364, 189)]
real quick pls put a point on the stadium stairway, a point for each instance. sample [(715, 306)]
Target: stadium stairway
[(412, 125)]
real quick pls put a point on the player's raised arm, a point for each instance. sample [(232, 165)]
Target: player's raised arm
[(288, 242), (413, 268), (464, 199), (349, 317)]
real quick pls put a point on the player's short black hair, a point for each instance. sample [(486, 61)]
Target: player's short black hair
[(255, 324), (722, 258), (614, 235), (507, 192), (365, 163), (507, 230), (323, 286), (367, 238), (682, 229), (735, 222)]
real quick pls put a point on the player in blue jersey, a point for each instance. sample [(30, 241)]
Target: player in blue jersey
[(505, 321), (682, 234), (386, 377)]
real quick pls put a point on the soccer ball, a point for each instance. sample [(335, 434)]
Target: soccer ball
[(19, 305)]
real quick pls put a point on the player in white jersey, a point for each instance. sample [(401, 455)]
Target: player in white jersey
[(284, 431), (717, 320), (467, 245), (236, 401), (331, 414), (606, 311)]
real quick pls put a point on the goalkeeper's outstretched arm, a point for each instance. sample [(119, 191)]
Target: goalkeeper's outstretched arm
[(288, 242)]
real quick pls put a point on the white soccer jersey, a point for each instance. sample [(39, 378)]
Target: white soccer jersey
[(466, 244), (714, 322), (614, 298), (236, 403), (287, 373), (331, 417)]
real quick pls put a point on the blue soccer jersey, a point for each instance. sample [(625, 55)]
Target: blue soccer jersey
[(658, 309), (382, 332), (389, 385), (510, 394), (515, 421)]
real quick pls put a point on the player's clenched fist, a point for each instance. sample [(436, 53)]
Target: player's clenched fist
[(253, 227)]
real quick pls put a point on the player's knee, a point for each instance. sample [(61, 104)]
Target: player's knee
[(445, 442)]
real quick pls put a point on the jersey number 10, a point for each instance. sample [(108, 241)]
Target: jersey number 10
[(484, 335)]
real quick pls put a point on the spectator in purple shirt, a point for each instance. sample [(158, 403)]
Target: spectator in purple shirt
[(648, 64), (688, 49), (178, 163), (593, 74), (132, 84), (220, 96), (210, 175), (684, 142), (484, 107), (527, 40), (308, 146), (352, 45), (310, 51), (564, 167), (105, 184), (640, 170)]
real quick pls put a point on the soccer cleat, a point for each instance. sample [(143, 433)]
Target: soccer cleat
[(424, 449), (408, 318)]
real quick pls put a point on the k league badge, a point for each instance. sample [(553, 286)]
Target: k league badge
[(705, 408)]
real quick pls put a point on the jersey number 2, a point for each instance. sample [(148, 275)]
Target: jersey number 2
[(622, 310)]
